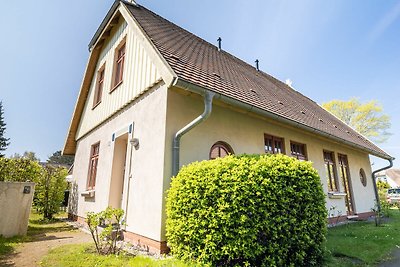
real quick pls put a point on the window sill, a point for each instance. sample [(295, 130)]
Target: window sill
[(115, 87), (88, 193), (336, 195)]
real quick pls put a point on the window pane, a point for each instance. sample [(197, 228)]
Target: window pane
[(332, 177), (220, 149), (94, 158), (222, 152), (298, 151), (268, 145), (273, 144)]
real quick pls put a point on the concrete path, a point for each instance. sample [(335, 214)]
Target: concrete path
[(394, 261), (29, 254)]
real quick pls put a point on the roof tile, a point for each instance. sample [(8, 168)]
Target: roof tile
[(199, 62)]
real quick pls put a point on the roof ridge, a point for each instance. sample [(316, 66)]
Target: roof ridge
[(207, 42)]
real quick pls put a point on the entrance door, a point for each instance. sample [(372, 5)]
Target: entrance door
[(118, 172), (346, 183)]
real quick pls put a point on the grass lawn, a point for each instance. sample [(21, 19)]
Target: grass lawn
[(84, 255), (362, 243), (356, 244)]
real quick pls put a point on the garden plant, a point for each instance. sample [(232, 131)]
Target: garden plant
[(245, 210)]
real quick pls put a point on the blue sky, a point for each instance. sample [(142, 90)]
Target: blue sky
[(329, 49)]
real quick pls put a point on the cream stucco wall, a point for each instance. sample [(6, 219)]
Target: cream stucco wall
[(147, 113), (245, 134)]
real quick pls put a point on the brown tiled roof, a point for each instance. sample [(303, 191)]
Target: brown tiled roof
[(199, 62)]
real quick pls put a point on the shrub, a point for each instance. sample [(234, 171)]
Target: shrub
[(247, 210), (49, 191), (105, 228), (50, 182), (19, 170)]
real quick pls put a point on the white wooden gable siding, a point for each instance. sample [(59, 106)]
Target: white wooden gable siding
[(140, 74)]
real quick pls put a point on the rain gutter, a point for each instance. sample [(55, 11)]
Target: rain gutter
[(250, 108)]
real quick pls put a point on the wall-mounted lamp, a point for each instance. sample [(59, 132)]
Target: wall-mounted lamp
[(135, 143)]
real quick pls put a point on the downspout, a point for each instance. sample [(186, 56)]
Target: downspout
[(129, 181), (378, 204), (208, 97)]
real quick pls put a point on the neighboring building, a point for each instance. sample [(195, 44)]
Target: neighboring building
[(147, 79), (391, 176)]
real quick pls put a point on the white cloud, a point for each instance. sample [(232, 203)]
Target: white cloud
[(385, 22)]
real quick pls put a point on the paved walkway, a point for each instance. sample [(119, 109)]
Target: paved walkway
[(29, 254), (394, 262)]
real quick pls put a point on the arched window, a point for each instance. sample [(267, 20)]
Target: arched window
[(220, 149), (363, 177)]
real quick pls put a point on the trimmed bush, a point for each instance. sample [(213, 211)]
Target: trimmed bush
[(264, 210), (19, 170)]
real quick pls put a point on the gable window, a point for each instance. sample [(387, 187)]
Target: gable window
[(330, 167), (119, 64), (298, 150), (220, 149), (273, 144), (99, 86), (94, 160)]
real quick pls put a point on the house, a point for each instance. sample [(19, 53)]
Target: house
[(391, 176), (155, 97)]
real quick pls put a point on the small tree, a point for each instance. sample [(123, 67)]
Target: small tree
[(4, 142), (105, 228), (50, 190), (366, 118), (58, 158)]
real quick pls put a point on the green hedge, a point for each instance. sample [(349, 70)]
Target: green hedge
[(19, 170), (247, 210)]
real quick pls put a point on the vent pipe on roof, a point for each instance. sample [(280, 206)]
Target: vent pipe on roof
[(257, 65), (219, 43)]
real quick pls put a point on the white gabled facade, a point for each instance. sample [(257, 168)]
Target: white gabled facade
[(128, 177)]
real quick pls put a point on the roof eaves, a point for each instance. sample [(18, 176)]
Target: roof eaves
[(103, 24), (181, 83)]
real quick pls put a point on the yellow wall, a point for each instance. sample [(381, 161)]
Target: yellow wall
[(140, 73), (245, 134)]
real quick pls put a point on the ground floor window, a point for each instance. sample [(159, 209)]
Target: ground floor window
[(273, 144), (298, 150), (94, 160), (330, 166)]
